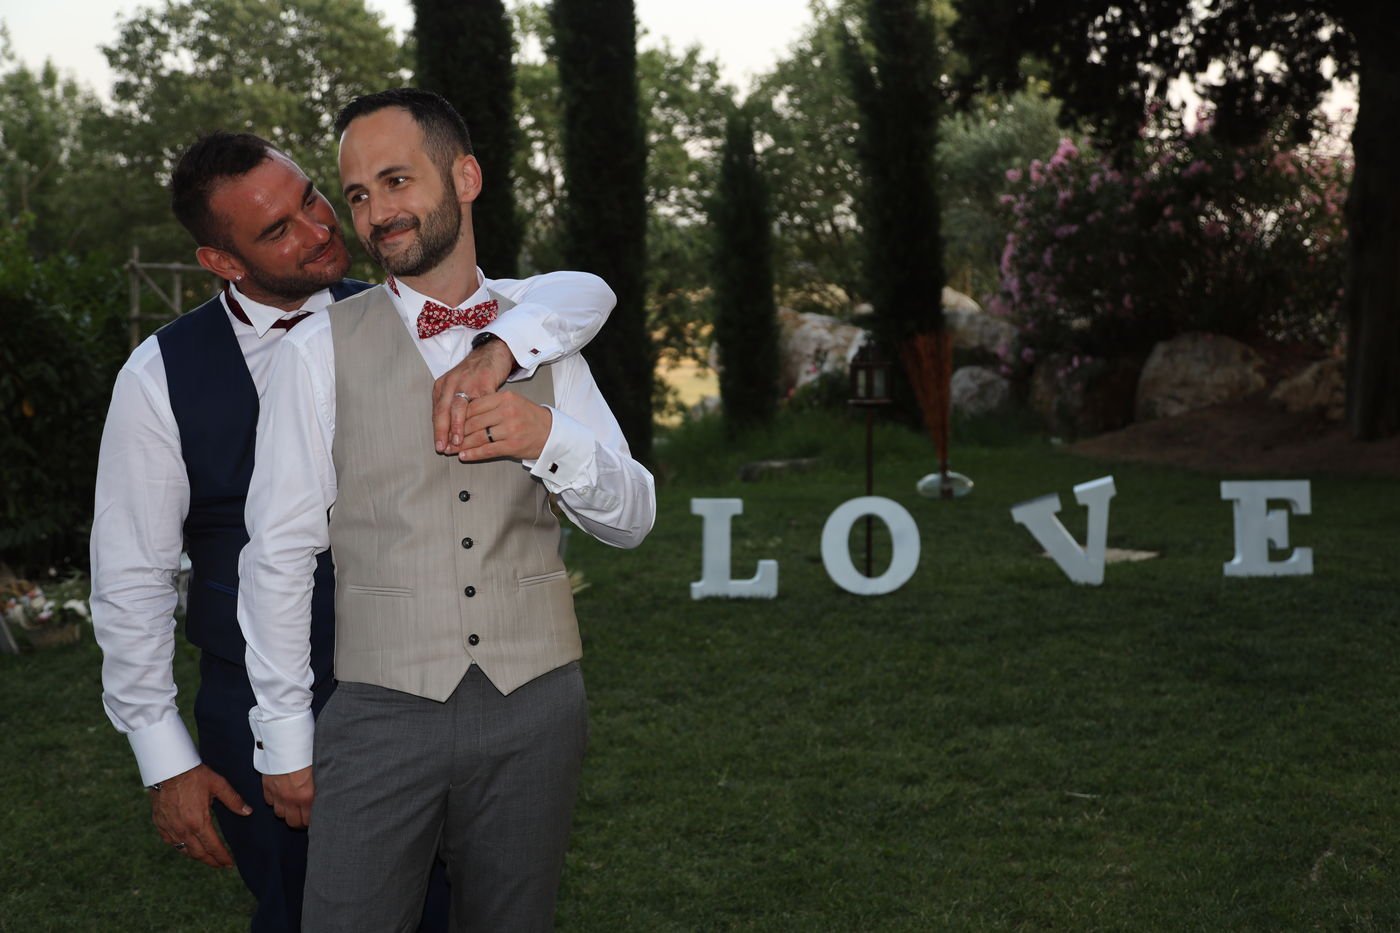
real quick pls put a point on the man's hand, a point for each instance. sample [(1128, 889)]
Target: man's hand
[(180, 810), (290, 796), (504, 424), (483, 372)]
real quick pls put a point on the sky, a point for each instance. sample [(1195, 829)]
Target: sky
[(746, 36)]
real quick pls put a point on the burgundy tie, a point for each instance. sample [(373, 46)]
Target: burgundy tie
[(436, 318), (282, 323)]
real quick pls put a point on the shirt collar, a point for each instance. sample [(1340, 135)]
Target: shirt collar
[(409, 303), (262, 316)]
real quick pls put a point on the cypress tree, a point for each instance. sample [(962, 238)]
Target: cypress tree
[(897, 96), (746, 320), (604, 209), (464, 54)]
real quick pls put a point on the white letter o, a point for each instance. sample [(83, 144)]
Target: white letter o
[(836, 550)]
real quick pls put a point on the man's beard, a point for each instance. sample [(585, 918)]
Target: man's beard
[(437, 235), (301, 286)]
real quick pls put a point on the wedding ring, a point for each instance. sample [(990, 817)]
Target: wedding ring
[(489, 438), (180, 845), (462, 395)]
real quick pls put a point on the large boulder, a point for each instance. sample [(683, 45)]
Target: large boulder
[(1195, 371), (973, 328), (812, 344), (1080, 398), (1320, 387), (977, 390)]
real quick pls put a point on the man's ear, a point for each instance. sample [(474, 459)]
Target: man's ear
[(220, 262), (466, 178)]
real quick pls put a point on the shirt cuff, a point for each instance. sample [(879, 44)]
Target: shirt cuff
[(527, 341), (163, 750), (282, 746), (567, 460)]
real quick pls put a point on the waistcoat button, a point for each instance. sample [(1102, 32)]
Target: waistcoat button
[(473, 639), (469, 592), (466, 542), (464, 495)]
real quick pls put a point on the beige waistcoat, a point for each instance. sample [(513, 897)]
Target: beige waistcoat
[(438, 563)]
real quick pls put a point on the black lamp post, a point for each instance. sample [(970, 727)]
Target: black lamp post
[(870, 388)]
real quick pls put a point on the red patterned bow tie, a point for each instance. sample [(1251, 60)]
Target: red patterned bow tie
[(436, 318)]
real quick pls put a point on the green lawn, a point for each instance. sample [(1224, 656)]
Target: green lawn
[(989, 748)]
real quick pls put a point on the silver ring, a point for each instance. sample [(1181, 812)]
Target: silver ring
[(489, 438), (462, 395), (181, 845)]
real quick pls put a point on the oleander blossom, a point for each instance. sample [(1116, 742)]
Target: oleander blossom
[(1187, 233)]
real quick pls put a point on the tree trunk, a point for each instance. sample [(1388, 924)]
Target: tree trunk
[(1373, 224)]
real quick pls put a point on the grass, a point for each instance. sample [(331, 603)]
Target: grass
[(989, 748)]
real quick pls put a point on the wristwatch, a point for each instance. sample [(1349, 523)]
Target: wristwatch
[(485, 337)]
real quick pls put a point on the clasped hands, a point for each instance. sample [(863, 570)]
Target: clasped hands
[(474, 421)]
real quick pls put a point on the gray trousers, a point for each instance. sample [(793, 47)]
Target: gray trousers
[(487, 781)]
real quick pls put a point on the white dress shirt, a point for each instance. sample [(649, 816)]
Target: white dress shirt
[(142, 499), (584, 461)]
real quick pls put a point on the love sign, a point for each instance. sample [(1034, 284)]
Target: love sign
[(1257, 529)]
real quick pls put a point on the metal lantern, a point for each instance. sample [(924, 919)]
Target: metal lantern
[(870, 378)]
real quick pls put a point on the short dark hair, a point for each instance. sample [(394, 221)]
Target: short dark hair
[(210, 161), (444, 131)]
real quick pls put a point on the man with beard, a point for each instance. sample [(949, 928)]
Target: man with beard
[(460, 721), (173, 472)]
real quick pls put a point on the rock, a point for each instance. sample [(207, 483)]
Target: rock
[(977, 390), (1084, 400), (760, 469), (956, 301), (1195, 371), (973, 328), (812, 344), (1319, 388)]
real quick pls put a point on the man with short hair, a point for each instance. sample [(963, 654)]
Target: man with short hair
[(460, 722), (173, 473)]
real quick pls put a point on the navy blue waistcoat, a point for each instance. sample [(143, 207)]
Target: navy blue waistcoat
[(216, 409)]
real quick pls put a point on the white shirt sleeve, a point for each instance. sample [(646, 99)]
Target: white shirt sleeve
[(586, 462), (142, 498), (292, 489), (555, 315)]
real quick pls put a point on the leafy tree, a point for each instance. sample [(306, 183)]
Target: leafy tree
[(684, 105), (279, 68), (746, 319), (1274, 59), (48, 169), (464, 54), (896, 92), (604, 216), (806, 117), (977, 147)]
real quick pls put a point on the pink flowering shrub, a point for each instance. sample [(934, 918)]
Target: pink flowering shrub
[(1104, 260)]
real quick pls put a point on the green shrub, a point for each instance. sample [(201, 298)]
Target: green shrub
[(61, 318)]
